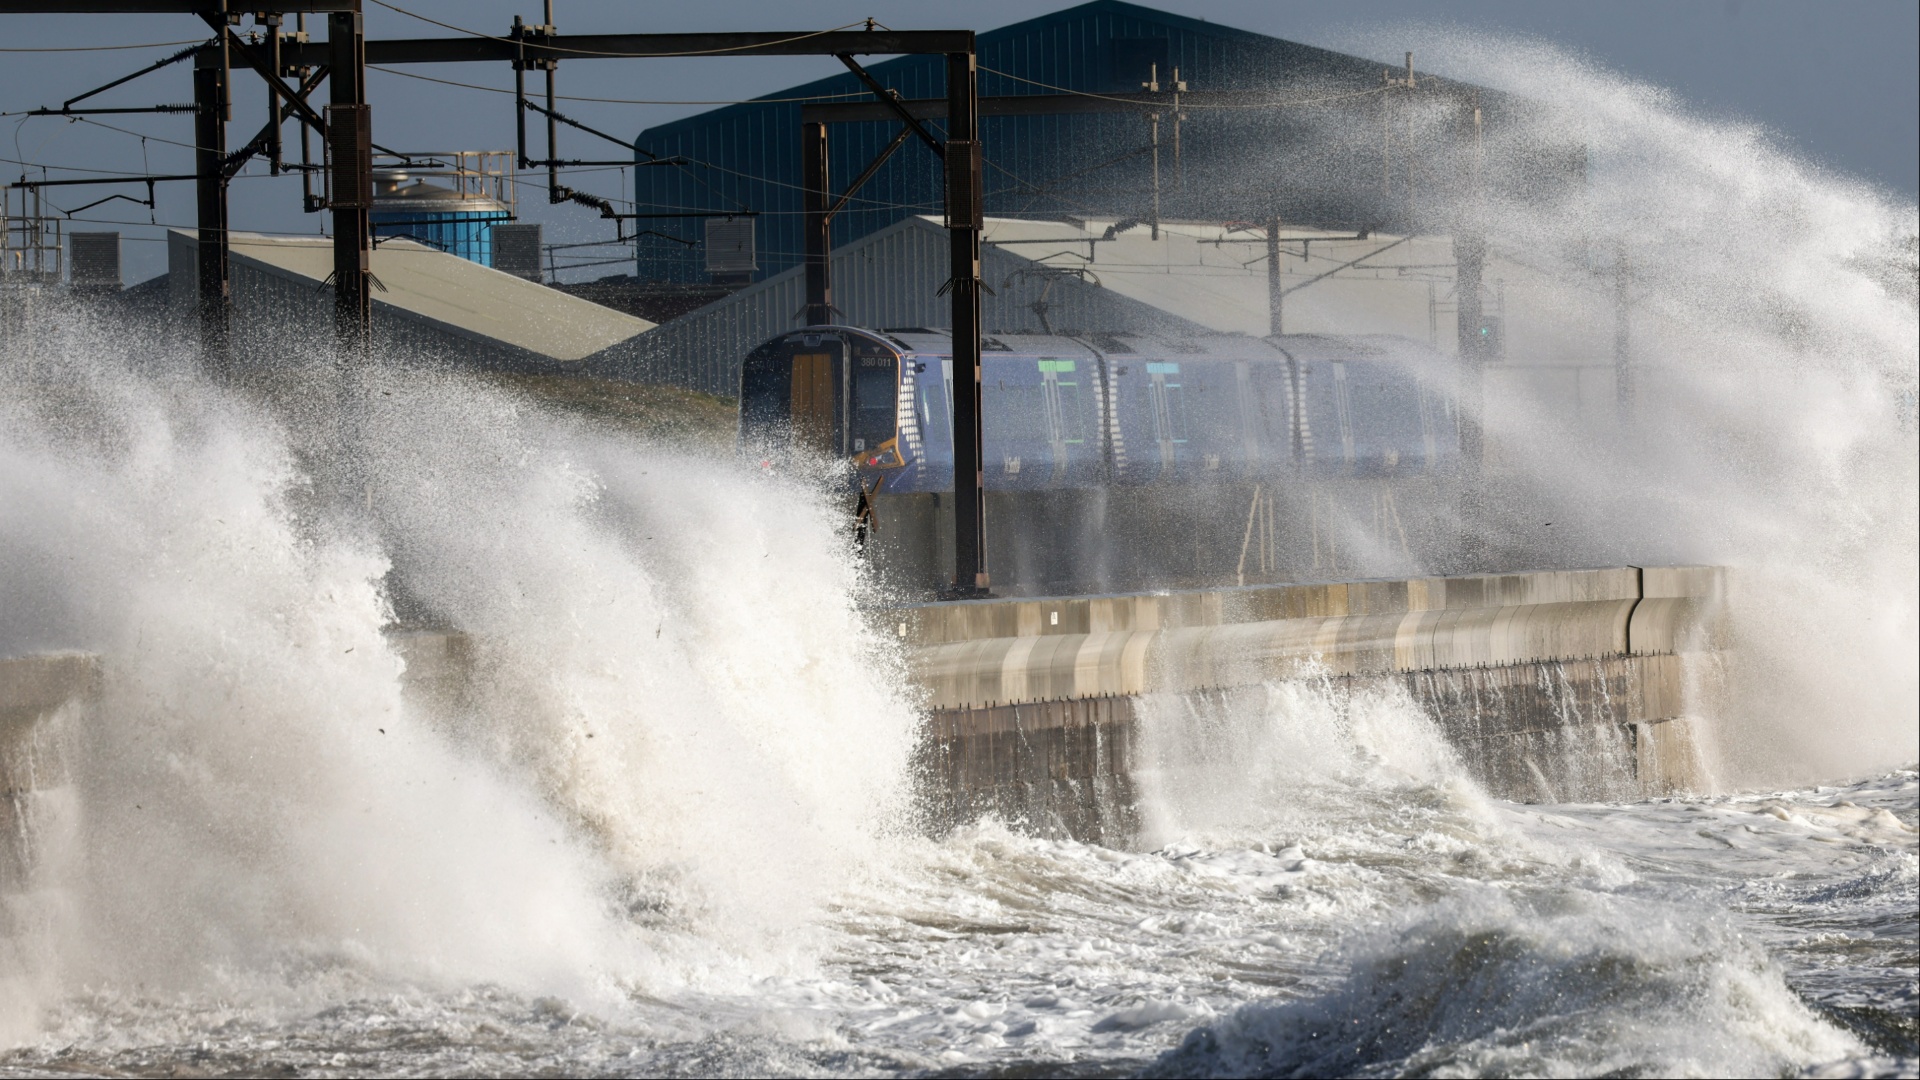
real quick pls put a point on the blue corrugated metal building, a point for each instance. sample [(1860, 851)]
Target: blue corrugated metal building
[(1234, 164)]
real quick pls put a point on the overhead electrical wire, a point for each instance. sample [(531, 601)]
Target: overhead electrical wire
[(1279, 104), (619, 101), (857, 95), (870, 205), (543, 47), (136, 134), (98, 48)]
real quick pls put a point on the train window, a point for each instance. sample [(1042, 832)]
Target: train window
[(875, 399), (936, 395), (1014, 412), (928, 396), (765, 403)]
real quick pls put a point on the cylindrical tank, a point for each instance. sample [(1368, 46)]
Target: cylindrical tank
[(406, 205)]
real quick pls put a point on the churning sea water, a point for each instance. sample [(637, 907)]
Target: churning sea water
[(670, 827), (1378, 925)]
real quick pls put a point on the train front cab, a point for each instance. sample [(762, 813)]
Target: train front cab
[(825, 393)]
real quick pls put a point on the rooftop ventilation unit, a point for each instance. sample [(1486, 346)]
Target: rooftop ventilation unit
[(95, 260), (516, 250), (730, 246)]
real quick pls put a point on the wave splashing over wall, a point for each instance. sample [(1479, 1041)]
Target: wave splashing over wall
[(658, 832), (681, 735)]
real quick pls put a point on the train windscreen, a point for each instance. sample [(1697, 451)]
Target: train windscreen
[(876, 395), (766, 399), (827, 393)]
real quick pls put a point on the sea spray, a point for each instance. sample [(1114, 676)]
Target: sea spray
[(662, 770), (406, 899), (1252, 759), (671, 646), (1767, 421)]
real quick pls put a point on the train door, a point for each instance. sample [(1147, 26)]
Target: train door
[(1067, 406), (933, 416), (817, 393), (1169, 401), (1250, 417), (1429, 456), (1343, 411)]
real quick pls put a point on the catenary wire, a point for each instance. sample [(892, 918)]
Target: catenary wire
[(1281, 104), (593, 52), (98, 48), (616, 101)]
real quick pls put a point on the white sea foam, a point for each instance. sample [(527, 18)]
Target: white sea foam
[(1568, 984), (682, 735), (659, 835)]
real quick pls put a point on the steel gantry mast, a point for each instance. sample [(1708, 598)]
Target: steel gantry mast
[(346, 131)]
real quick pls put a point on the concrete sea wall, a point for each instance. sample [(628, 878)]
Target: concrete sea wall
[(1550, 685)]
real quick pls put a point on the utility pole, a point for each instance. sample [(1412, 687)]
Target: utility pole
[(350, 145), (964, 220), (1276, 296), (1152, 86), (1179, 166), (1406, 82), (1406, 112), (210, 107), (1469, 257), (818, 246)]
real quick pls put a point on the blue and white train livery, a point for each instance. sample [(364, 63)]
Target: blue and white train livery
[(1104, 409)]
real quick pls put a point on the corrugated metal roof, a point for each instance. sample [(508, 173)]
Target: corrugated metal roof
[(747, 156)]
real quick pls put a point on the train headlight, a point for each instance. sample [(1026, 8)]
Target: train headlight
[(886, 457)]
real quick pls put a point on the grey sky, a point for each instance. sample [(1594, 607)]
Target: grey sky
[(1839, 80)]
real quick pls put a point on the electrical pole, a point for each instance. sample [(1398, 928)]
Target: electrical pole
[(350, 144), (214, 302), (1152, 86), (964, 220), (1275, 294), (1469, 257), (1179, 166), (819, 240)]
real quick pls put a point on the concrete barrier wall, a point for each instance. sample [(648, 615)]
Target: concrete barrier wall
[(1553, 685), (985, 653)]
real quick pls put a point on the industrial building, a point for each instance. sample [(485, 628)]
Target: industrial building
[(1265, 128), (1293, 190)]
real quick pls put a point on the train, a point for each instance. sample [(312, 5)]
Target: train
[(1104, 410)]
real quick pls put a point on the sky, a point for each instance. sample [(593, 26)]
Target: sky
[(1838, 81)]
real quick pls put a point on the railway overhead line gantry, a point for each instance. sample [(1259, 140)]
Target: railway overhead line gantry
[(345, 128)]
